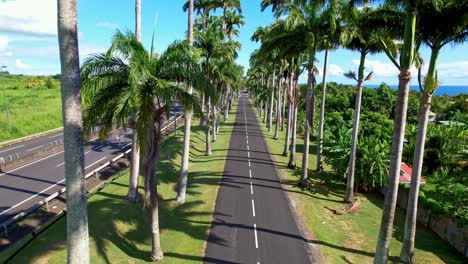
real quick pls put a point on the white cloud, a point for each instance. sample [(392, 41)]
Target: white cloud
[(452, 70), (20, 65), (37, 17), (3, 43), (381, 69), (107, 25), (335, 70)]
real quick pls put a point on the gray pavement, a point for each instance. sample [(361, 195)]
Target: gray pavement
[(253, 222)]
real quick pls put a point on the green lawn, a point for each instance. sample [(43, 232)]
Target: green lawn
[(350, 238), (32, 110), (120, 231)]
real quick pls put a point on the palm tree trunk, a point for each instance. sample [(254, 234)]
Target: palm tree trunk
[(407, 250), (272, 100), (288, 130), (305, 155), (312, 113), (226, 105), (215, 118), (135, 165), (203, 112), (386, 226), (135, 169), (349, 197), (151, 159), (290, 117), (292, 156), (265, 114), (278, 110), (207, 128), (77, 214), (138, 19), (322, 115), (283, 110), (182, 184)]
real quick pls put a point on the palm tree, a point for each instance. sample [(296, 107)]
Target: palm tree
[(182, 184), (435, 35), (129, 79), (406, 60), (211, 46), (358, 35), (77, 214), (203, 8), (233, 20), (329, 41)]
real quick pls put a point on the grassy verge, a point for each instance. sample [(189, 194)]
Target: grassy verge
[(349, 238), (41, 105), (120, 231)]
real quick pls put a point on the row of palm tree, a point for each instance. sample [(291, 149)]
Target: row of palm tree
[(129, 86), (290, 44)]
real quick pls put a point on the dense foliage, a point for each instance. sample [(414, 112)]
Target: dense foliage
[(445, 157)]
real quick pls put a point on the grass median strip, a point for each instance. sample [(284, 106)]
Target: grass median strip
[(349, 238), (120, 231)]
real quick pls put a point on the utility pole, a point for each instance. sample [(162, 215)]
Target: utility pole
[(4, 97)]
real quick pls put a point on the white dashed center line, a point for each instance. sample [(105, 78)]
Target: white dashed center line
[(250, 175), (256, 239), (253, 208)]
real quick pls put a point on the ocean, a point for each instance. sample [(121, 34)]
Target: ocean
[(442, 90)]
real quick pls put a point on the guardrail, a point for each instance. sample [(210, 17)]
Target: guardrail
[(51, 197)]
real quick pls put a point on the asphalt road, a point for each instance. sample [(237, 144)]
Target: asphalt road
[(31, 146), (22, 187), (253, 222)]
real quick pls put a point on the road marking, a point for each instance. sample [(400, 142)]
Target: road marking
[(126, 146), (253, 207), (248, 147), (55, 136), (11, 148), (31, 163), (250, 173), (34, 148), (100, 147), (249, 163), (251, 188), (45, 190), (256, 239), (94, 163), (248, 154), (87, 152), (247, 142), (60, 165)]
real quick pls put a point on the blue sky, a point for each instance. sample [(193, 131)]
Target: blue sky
[(28, 37)]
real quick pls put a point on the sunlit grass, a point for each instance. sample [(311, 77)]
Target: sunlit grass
[(31, 110)]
